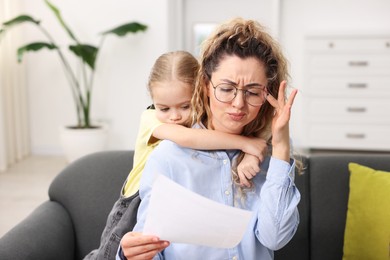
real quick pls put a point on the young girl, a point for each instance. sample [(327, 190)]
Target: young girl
[(171, 85)]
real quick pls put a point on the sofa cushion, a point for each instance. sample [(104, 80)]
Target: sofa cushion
[(367, 232), (87, 189), (329, 189)]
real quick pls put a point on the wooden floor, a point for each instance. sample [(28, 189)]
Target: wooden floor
[(25, 186)]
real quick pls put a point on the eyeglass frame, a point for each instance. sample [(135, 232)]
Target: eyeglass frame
[(245, 91)]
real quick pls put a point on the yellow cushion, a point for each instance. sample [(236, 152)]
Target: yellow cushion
[(367, 231)]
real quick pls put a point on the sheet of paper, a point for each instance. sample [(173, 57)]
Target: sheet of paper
[(179, 215)]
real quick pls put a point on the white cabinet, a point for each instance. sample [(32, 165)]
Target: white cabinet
[(347, 84)]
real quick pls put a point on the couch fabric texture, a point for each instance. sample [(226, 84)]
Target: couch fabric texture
[(69, 225)]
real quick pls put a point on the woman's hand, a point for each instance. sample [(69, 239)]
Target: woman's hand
[(135, 245), (280, 122), (247, 169)]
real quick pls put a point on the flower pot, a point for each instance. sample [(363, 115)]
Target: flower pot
[(78, 142)]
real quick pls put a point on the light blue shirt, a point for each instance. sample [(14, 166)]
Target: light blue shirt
[(274, 199)]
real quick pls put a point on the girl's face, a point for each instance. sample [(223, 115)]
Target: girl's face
[(233, 116), (172, 100)]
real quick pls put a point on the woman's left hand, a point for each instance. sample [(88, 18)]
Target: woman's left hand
[(280, 122)]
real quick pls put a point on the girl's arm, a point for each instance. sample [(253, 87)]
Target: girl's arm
[(210, 140)]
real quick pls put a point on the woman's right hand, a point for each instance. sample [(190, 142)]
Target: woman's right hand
[(280, 122), (136, 245)]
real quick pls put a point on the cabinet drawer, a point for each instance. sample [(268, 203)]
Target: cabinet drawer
[(375, 137), (339, 110), (351, 86), (335, 44), (355, 64)]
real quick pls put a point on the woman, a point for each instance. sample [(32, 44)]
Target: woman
[(240, 90), (171, 85)]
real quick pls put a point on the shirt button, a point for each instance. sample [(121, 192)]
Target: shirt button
[(234, 258), (227, 192), (225, 161)]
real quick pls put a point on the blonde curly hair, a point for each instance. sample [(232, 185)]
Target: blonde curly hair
[(244, 39)]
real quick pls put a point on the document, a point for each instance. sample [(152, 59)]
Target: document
[(179, 215)]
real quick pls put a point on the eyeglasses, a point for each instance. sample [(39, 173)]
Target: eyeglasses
[(225, 92)]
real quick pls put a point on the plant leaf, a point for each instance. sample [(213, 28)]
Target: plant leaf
[(86, 52), (57, 13), (35, 46), (20, 19), (122, 30)]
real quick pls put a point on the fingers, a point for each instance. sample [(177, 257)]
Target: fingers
[(245, 179), (282, 91), (244, 182), (288, 106), (273, 101), (135, 245), (280, 102), (246, 174), (292, 96)]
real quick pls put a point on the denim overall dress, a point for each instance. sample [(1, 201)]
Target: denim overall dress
[(122, 219)]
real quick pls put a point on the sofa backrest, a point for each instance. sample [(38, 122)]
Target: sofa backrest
[(329, 189), (87, 189)]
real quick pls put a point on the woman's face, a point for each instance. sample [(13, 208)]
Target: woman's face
[(233, 116), (172, 100)]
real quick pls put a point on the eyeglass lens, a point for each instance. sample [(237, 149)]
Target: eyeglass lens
[(255, 96)]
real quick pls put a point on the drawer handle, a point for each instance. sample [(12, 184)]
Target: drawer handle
[(358, 63), (356, 109), (357, 85), (355, 136)]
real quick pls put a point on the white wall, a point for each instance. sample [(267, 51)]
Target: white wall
[(120, 92), (123, 66), (206, 11)]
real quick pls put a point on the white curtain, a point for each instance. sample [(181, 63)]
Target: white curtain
[(14, 131)]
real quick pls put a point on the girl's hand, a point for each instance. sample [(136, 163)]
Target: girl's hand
[(247, 169), (135, 245), (255, 146), (280, 122)]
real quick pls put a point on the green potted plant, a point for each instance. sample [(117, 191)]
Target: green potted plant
[(80, 81)]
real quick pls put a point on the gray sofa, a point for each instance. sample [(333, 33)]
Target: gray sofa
[(69, 225)]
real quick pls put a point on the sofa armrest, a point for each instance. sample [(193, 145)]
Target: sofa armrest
[(47, 233)]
